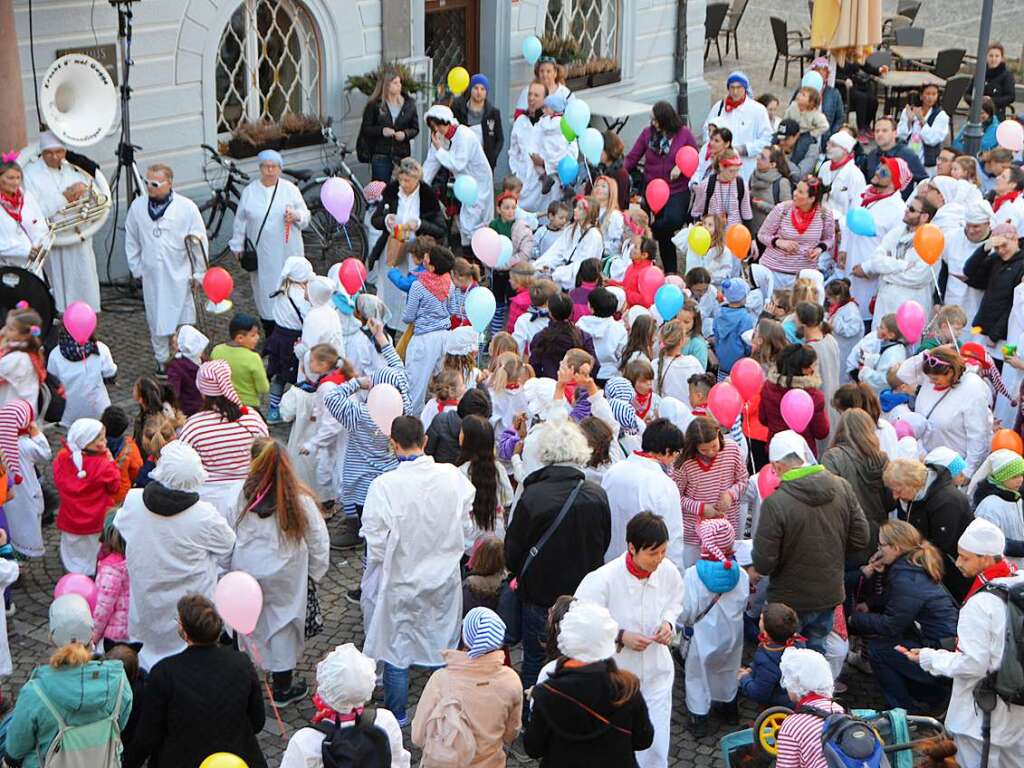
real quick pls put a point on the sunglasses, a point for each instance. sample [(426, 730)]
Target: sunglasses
[(935, 362), (154, 184)]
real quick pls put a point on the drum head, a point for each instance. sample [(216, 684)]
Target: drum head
[(18, 284)]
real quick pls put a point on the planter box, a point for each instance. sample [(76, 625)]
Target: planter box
[(239, 150), (577, 83), (297, 140), (605, 78)]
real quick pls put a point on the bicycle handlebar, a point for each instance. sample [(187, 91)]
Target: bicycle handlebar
[(230, 166)]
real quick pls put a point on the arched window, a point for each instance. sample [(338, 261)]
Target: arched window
[(268, 64)]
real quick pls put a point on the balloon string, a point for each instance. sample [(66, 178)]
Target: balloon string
[(270, 695), (750, 447), (956, 344)]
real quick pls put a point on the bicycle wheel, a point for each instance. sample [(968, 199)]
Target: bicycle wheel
[(215, 213), (327, 242)]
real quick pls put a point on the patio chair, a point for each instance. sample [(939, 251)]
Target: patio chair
[(713, 21), (732, 25), (952, 96), (908, 8), (909, 36), (889, 27), (947, 63), (783, 39)]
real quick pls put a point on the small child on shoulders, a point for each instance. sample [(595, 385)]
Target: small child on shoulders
[(898, 400), (762, 680), (123, 448), (190, 348), (806, 110)]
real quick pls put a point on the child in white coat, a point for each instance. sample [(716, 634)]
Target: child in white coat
[(844, 317), (609, 334), (23, 446), (995, 491), (83, 369), (322, 324)]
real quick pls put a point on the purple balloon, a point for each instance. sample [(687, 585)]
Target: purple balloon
[(338, 198)]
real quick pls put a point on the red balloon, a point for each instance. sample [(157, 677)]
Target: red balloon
[(725, 403), (767, 481), (687, 161), (657, 194), (352, 275), (651, 279), (217, 284), (747, 376)]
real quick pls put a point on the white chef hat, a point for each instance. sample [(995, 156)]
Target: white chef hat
[(843, 140), (47, 140), (587, 632), (619, 294), (979, 211), (82, 432), (462, 341), (805, 671), (788, 443), (441, 113), (191, 342), (320, 291), (345, 679), (676, 411), (983, 538), (179, 467)]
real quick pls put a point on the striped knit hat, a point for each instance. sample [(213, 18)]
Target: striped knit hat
[(15, 418), (213, 379), (483, 631), (398, 379), (717, 538), (619, 394)]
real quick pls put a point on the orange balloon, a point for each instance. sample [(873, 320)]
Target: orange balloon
[(1008, 439), (929, 242), (737, 240)]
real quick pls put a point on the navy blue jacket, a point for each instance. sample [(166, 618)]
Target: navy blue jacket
[(764, 683), (872, 160)]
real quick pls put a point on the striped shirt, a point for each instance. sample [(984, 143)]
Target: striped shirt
[(224, 446), (799, 738), (426, 311), (779, 225), (701, 483), (725, 200)]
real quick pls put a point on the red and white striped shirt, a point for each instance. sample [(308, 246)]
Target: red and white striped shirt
[(701, 483), (779, 225), (799, 740), (224, 446), (725, 200)]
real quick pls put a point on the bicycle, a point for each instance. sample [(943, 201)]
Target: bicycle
[(225, 180)]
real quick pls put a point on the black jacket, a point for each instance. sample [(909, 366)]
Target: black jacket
[(997, 278), (563, 734), (377, 117), (443, 438), (575, 549), (432, 220), (999, 85), (941, 517), (490, 126), (872, 159), (909, 596), (203, 700)]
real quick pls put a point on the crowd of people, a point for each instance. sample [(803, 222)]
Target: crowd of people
[(782, 479)]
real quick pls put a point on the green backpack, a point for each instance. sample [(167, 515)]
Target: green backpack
[(95, 745)]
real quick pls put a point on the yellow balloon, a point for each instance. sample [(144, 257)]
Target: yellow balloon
[(458, 80), (699, 239), (223, 760)]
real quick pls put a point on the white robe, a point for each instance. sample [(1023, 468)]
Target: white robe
[(17, 239), (84, 390), (902, 276), (569, 251), (169, 556), (845, 186), (156, 252), (1007, 515), (413, 525), (956, 253), (523, 143), (465, 156), (272, 249), (71, 269), (8, 575), (322, 325), (751, 129), (297, 406), (523, 102), (643, 605), (25, 511), (887, 214), (327, 445), (282, 569), (847, 330)]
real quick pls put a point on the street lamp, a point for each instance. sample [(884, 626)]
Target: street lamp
[(973, 130)]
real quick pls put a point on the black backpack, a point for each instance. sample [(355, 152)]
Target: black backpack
[(363, 745), (1007, 681)]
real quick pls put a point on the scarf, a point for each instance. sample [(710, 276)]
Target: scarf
[(801, 220), (437, 285), (73, 351), (636, 570), (889, 399), (659, 143), (870, 196), (442, 404), (642, 403), (449, 132), (996, 571), (324, 712), (536, 313), (730, 105), (836, 165), (1009, 197), (13, 204), (836, 307), (771, 645), (157, 208)]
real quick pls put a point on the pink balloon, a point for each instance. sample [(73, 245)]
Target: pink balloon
[(767, 481), (677, 281), (352, 275), (797, 409), (904, 429), (487, 246), (338, 198), (725, 403), (80, 321), (239, 601), (1010, 134), (385, 405), (747, 376), (657, 194), (687, 161), (651, 279), (77, 584), (910, 320)]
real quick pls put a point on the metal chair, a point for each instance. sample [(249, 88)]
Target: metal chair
[(783, 39), (908, 8), (889, 27), (947, 63), (732, 25), (880, 59), (713, 21), (909, 36), (953, 96)]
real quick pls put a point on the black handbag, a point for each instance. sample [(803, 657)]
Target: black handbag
[(250, 260)]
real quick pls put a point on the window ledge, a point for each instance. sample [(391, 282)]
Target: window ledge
[(585, 82), (238, 149)]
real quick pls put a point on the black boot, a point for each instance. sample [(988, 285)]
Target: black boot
[(729, 711), (287, 690), (698, 726), (346, 535)]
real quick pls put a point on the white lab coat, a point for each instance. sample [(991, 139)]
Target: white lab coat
[(642, 605), (569, 251), (956, 253), (25, 510), (305, 748), (327, 445), (70, 268), (847, 330), (932, 135), (297, 406), (413, 525), (465, 156), (162, 262), (272, 249), (887, 214), (636, 485), (902, 275), (282, 569), (751, 129), (717, 645), (84, 390), (523, 143), (552, 146), (981, 637), (169, 556), (17, 239), (9, 572), (845, 186), (609, 337), (322, 325)]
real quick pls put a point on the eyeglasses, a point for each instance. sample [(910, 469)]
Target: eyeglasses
[(155, 184)]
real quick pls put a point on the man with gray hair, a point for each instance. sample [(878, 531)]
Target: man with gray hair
[(807, 528)]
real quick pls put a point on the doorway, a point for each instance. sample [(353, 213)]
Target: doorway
[(452, 36)]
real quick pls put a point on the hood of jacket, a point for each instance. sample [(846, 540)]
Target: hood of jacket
[(716, 577), (817, 489), (166, 502), (597, 327), (81, 693), (589, 685), (799, 382), (868, 470), (987, 488), (938, 479), (764, 179), (485, 666)]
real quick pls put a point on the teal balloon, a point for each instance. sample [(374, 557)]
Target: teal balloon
[(480, 308), (577, 114), (466, 190), (532, 49), (505, 257), (860, 222), (591, 145), (812, 80), (668, 300), (568, 170)]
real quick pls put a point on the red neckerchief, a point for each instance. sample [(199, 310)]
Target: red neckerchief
[(442, 404), (1009, 197), (458, 322), (13, 204), (513, 386), (635, 569), (570, 393), (997, 571), (324, 712), (836, 307), (770, 644), (643, 403), (449, 132), (334, 377), (801, 220), (699, 410), (730, 105), (811, 698), (869, 196), (835, 166), (646, 455), (940, 387), (438, 285)]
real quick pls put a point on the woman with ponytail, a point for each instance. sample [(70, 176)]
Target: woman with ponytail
[(282, 541), (490, 479)]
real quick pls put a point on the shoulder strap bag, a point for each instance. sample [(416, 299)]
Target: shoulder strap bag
[(250, 260)]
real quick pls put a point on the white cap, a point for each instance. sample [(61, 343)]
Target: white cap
[(345, 679), (805, 671), (619, 294), (47, 140), (442, 113), (842, 139), (462, 341), (979, 212), (983, 538), (320, 291), (179, 467), (297, 269), (82, 432), (788, 443), (70, 620), (587, 632), (191, 342)]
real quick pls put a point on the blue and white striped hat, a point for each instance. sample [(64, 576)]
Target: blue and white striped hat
[(483, 631), (620, 393), (398, 379)]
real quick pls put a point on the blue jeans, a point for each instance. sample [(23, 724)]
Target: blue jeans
[(534, 637), (815, 626), (903, 682), (396, 690), (381, 167)]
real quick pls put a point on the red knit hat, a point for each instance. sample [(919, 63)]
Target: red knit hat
[(717, 537)]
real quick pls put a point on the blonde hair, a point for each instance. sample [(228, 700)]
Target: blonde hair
[(157, 432), (909, 474), (501, 343), (907, 539), (161, 168), (672, 338), (804, 289), (970, 168), (446, 384), (70, 655), (521, 275), (508, 368)]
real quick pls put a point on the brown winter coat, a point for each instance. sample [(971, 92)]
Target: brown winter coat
[(865, 476)]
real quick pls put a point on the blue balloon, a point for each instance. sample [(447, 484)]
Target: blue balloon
[(812, 80), (668, 300), (577, 115), (466, 190), (505, 257), (591, 145), (532, 49), (480, 308), (568, 170), (860, 222)]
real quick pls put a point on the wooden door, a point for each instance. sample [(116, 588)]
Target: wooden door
[(452, 36)]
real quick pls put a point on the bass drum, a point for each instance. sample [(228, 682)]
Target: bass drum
[(17, 285)]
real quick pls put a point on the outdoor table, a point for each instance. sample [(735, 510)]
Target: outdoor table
[(616, 111), (914, 52), (896, 80)]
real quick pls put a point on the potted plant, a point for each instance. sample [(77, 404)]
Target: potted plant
[(567, 53), (603, 71), (249, 138), (366, 83), (301, 130)]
